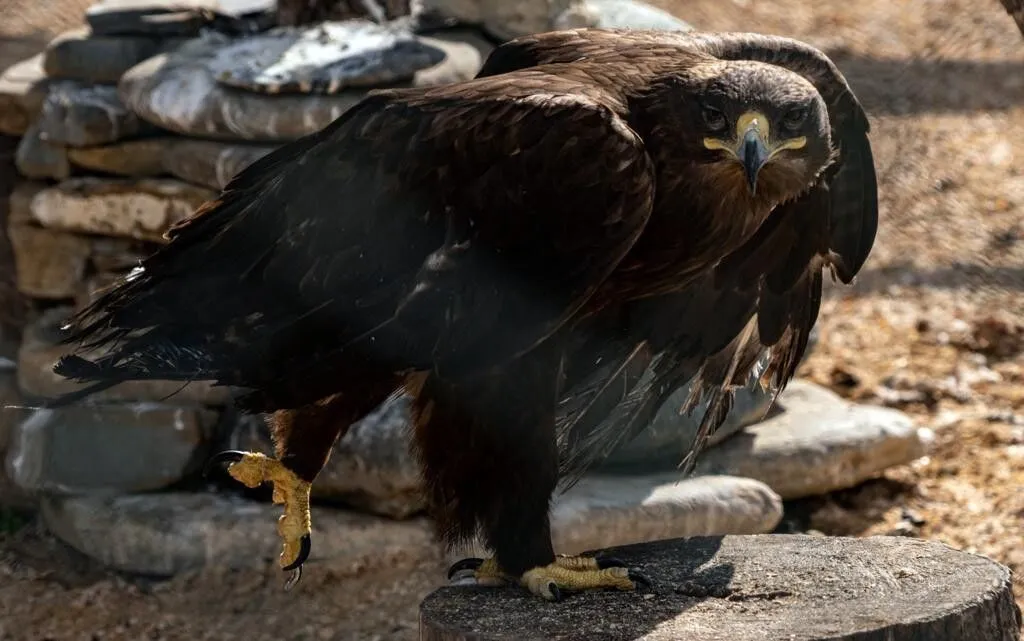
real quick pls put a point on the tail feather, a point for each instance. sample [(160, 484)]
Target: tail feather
[(147, 357)]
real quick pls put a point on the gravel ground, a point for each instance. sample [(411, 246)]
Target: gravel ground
[(932, 327)]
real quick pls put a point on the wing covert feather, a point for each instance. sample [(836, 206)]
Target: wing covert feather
[(445, 229)]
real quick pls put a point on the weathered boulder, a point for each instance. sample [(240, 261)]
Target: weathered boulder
[(40, 159), (81, 115), (183, 18), (671, 434), (116, 449), (633, 14), (179, 92), (142, 209), (23, 87), (39, 352), (818, 443), (209, 162), (81, 55), (171, 532), (50, 264), (163, 534), (507, 19), (140, 158), (612, 510), (10, 494), (325, 58)]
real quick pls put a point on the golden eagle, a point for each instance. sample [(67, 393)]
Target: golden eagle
[(538, 256)]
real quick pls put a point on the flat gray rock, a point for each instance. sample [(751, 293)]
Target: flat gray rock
[(371, 468), (210, 163), (115, 449), (460, 35), (167, 533), (50, 264), (107, 253), (507, 19), (634, 14), (817, 444), (179, 92), (81, 55), (614, 510), (141, 208), (23, 87), (671, 434), (39, 159), (10, 494), (141, 157), (326, 58), (39, 352), (178, 17), (80, 115)]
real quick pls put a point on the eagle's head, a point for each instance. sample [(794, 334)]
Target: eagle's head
[(761, 127)]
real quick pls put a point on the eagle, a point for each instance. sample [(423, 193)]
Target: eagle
[(538, 257)]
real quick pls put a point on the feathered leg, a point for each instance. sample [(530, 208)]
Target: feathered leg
[(490, 464), (303, 440)]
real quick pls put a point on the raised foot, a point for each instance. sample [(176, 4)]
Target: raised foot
[(252, 469), (567, 573)]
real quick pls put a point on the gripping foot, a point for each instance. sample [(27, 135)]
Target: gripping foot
[(573, 573), (567, 573), (252, 469)]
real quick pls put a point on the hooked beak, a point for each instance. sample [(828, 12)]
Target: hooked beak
[(753, 153), (752, 145)]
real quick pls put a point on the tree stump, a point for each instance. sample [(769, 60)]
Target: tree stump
[(760, 587)]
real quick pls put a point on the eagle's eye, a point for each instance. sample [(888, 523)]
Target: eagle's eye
[(713, 118), (794, 118)]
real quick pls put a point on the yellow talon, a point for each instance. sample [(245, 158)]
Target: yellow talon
[(566, 573), (580, 573), (252, 469)]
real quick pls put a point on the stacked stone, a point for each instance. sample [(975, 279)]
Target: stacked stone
[(127, 125)]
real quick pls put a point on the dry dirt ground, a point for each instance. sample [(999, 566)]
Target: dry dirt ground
[(934, 326)]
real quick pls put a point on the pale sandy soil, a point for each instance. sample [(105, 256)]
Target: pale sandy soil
[(928, 328)]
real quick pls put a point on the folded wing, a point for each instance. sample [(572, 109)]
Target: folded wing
[(451, 229)]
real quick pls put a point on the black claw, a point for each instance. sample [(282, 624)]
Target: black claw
[(641, 580), (605, 562), (469, 563), (556, 594), (293, 580), (227, 456), (304, 545)]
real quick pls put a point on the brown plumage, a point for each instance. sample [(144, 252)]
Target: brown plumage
[(539, 256), (1016, 10)]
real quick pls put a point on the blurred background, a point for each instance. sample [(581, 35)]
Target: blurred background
[(119, 118)]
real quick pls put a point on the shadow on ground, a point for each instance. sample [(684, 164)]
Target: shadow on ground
[(903, 87)]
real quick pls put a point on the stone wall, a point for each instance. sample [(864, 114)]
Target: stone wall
[(123, 127)]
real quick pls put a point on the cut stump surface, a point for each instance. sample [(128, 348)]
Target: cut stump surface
[(758, 587)]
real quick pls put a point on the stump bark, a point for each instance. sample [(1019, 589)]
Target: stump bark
[(759, 587)]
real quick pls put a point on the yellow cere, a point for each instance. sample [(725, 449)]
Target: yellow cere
[(760, 122)]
